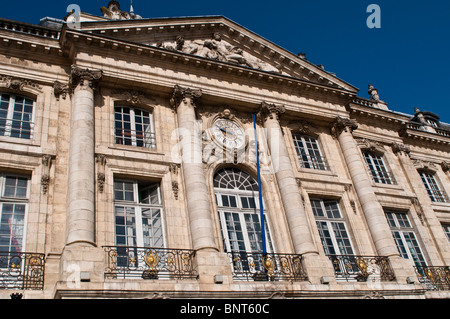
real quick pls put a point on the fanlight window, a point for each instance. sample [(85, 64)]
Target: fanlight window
[(231, 178)]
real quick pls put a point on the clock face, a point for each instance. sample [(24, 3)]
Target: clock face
[(228, 133)]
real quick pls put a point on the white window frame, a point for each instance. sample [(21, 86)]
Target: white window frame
[(446, 228), (331, 222), (379, 171), (242, 212), (402, 230), (138, 213), (148, 142), (432, 187), (15, 201), (10, 114), (313, 160)]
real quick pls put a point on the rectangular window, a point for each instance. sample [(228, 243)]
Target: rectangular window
[(308, 152), (134, 127), (240, 223), (332, 229), (138, 212), (432, 187), (16, 116), (377, 169), (405, 238), (447, 231), (13, 208)]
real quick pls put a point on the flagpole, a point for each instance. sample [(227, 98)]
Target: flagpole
[(261, 208)]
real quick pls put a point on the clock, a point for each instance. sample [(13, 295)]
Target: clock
[(228, 133)]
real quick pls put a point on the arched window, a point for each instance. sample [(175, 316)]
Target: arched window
[(237, 198)]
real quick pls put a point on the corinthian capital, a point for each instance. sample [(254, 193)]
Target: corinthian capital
[(183, 94), (271, 111), (343, 124), (85, 78)]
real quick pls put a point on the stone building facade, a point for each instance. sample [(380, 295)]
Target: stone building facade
[(131, 155)]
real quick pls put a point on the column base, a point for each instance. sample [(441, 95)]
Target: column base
[(82, 263), (402, 269), (319, 269), (213, 267)]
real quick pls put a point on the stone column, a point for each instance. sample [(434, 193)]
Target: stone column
[(373, 212), (210, 262), (81, 179), (284, 173), (198, 200), (316, 266)]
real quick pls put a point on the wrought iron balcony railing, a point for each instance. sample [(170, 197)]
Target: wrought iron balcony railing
[(435, 278), (362, 268), (266, 267), (149, 263), (19, 270)]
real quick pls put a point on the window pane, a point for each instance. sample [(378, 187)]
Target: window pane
[(342, 239), (234, 232), (325, 237), (317, 207), (124, 191), (15, 187), (152, 228), (149, 194), (125, 226)]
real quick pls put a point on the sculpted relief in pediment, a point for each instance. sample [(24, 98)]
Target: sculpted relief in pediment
[(217, 49)]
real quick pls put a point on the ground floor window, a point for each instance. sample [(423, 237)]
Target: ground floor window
[(405, 237), (138, 217), (237, 198), (13, 208), (332, 228)]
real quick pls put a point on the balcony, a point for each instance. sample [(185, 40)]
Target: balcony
[(434, 278), (24, 271), (362, 268), (149, 263), (266, 267)]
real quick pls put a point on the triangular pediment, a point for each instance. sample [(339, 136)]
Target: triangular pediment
[(218, 40)]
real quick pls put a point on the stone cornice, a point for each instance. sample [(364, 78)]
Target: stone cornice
[(30, 42), (413, 132), (79, 38), (371, 113), (234, 32)]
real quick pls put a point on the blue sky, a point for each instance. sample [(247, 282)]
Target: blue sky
[(407, 59)]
